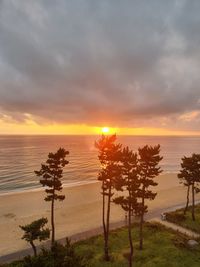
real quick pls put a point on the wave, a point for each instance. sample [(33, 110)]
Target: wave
[(20, 156)]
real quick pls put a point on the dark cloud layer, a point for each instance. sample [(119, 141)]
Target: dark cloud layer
[(128, 63)]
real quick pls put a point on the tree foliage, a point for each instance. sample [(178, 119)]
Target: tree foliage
[(148, 169), (35, 231), (51, 174), (129, 182), (189, 176)]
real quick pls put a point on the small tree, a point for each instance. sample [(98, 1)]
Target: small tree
[(190, 177), (149, 159), (110, 171), (51, 174), (131, 185), (35, 231)]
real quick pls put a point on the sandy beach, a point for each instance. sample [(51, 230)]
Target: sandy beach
[(80, 211)]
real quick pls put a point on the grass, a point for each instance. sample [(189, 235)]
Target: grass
[(162, 248), (186, 221)]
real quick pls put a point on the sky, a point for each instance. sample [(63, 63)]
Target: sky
[(74, 66)]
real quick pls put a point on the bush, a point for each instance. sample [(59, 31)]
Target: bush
[(58, 256), (154, 227), (175, 217), (65, 256)]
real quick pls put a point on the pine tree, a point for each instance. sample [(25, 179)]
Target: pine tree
[(51, 174), (149, 159), (110, 171), (190, 177), (130, 182), (35, 231)]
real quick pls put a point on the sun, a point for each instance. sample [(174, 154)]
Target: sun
[(105, 130)]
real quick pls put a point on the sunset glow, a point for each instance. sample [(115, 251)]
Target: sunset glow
[(91, 82), (30, 128)]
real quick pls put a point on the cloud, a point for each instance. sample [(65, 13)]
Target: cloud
[(126, 63)]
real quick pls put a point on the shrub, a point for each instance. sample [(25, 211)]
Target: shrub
[(154, 227), (175, 217), (59, 256)]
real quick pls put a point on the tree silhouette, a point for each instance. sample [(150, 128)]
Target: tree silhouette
[(109, 153), (189, 176), (51, 174), (35, 231), (185, 178), (148, 169), (131, 185)]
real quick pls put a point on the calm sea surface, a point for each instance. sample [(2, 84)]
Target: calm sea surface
[(21, 155)]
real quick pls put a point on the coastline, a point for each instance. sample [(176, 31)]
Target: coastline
[(67, 185), (79, 212), (40, 188)]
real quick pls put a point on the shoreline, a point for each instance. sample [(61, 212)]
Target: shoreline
[(78, 213), (38, 189), (74, 184)]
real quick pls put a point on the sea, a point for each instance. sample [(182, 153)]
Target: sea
[(20, 156)]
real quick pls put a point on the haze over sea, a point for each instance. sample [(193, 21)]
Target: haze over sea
[(21, 155)]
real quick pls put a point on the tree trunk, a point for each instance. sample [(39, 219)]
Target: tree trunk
[(187, 202), (34, 248), (193, 203), (104, 227), (142, 221), (141, 230), (52, 223), (107, 257), (130, 238)]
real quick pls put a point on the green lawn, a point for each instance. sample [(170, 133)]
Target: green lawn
[(186, 221), (162, 248)]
